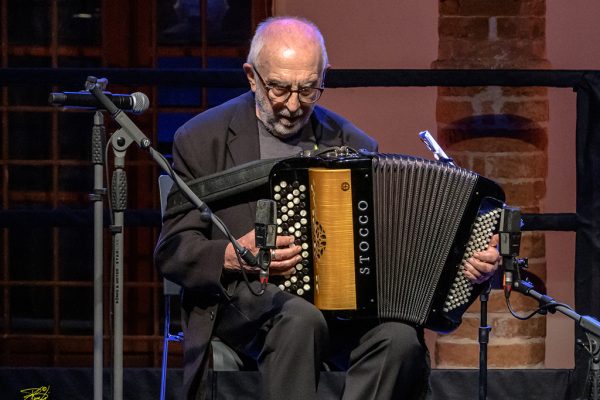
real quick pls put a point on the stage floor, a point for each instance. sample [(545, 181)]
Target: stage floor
[(77, 383)]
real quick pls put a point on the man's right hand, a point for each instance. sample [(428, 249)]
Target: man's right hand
[(284, 257)]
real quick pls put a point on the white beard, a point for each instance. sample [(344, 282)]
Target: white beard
[(275, 124)]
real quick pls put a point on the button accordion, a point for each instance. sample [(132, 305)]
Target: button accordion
[(384, 236)]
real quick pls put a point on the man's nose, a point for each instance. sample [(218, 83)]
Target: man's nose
[(293, 102)]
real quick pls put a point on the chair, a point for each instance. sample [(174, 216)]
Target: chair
[(223, 357)]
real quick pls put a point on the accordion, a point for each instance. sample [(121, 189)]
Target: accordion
[(384, 236)]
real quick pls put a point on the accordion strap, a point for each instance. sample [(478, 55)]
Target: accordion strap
[(222, 185)]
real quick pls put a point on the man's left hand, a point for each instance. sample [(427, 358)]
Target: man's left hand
[(483, 264)]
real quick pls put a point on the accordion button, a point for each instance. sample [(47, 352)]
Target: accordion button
[(300, 292), (297, 234), (277, 188), (305, 254), (302, 188), (306, 287), (306, 278), (299, 267), (283, 184), (304, 246)]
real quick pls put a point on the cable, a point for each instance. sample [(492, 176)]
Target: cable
[(223, 228), (545, 307)]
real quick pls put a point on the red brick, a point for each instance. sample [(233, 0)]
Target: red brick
[(451, 91), (521, 27), (464, 27), (492, 7), (478, 7), (501, 353), (537, 267), (492, 145), (449, 111), (535, 110), (523, 193), (508, 91), (533, 244), (503, 325), (517, 165), (497, 303)]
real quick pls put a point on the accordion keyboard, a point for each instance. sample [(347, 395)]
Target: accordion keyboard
[(293, 219)]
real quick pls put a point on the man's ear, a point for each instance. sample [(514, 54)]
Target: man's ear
[(249, 70)]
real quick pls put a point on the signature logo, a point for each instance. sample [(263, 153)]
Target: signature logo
[(40, 393)]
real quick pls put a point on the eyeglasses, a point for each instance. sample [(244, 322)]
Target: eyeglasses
[(279, 94)]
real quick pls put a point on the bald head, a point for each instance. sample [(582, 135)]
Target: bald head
[(287, 59), (287, 38)]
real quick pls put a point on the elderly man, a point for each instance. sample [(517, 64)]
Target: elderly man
[(287, 336)]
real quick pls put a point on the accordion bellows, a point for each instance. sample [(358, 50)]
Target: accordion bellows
[(385, 235)]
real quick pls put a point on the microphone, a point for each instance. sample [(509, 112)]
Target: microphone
[(435, 148), (136, 102), (510, 242), (265, 233)]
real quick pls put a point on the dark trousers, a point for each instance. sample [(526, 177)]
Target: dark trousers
[(289, 339)]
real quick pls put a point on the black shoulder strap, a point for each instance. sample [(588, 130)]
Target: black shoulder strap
[(222, 185)]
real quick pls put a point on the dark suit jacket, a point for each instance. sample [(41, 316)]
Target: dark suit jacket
[(190, 252)]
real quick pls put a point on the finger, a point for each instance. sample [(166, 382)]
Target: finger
[(490, 255), (283, 271), (285, 253), (471, 270), (284, 241), (484, 268), (494, 240), (285, 265)]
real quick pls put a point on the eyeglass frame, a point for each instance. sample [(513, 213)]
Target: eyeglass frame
[(289, 91)]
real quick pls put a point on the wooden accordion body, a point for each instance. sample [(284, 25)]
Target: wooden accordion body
[(384, 236)]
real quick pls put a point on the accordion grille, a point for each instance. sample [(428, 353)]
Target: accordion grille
[(419, 205)]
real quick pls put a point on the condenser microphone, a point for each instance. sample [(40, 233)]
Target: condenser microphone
[(265, 233), (510, 243), (265, 224), (136, 102)]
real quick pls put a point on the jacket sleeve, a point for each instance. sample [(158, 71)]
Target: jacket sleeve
[(186, 252)]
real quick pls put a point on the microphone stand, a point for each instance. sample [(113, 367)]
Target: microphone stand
[(119, 204), (483, 338), (589, 324), (510, 235), (98, 142), (121, 140)]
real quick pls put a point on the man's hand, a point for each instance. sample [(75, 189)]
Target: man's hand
[(283, 259), (483, 264)]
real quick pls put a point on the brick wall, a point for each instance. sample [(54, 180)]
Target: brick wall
[(501, 133)]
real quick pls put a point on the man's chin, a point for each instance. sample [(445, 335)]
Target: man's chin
[(286, 131)]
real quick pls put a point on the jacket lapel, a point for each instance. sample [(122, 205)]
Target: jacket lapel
[(242, 141)]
